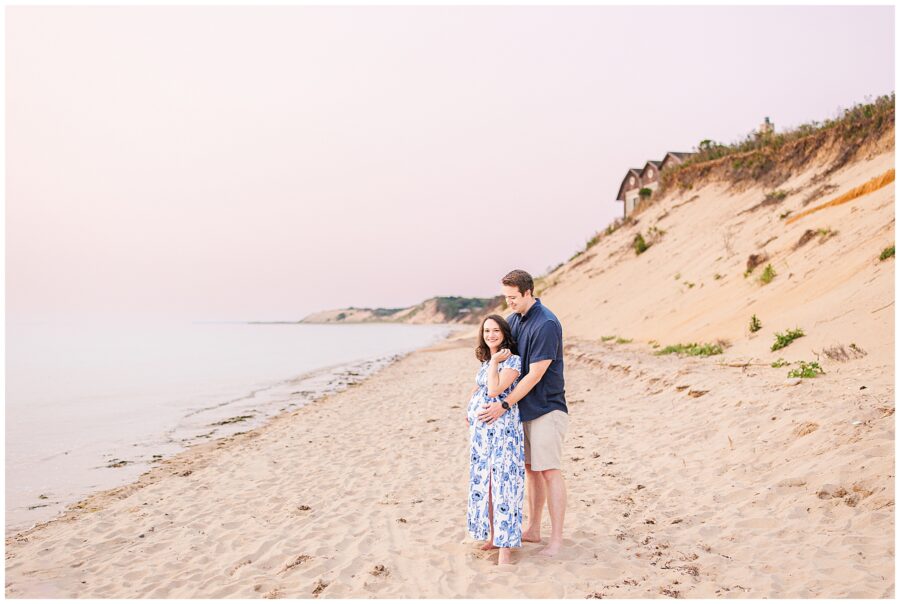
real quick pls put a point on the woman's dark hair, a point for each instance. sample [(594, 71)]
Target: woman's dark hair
[(483, 351)]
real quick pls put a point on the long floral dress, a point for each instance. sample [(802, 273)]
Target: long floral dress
[(497, 452)]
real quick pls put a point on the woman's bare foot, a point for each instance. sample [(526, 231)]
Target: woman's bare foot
[(505, 556), (551, 550), (488, 545)]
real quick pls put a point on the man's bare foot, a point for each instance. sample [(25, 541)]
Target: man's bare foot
[(505, 556), (551, 550), (488, 545), (531, 536)]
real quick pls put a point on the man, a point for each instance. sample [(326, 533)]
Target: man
[(540, 395)]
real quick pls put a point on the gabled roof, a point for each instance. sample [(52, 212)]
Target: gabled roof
[(636, 172), (651, 164), (674, 158)]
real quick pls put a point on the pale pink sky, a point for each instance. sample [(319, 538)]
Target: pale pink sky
[(227, 163)]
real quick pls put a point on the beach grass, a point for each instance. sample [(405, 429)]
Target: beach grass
[(768, 274), (692, 349), (784, 339), (755, 324), (806, 370)]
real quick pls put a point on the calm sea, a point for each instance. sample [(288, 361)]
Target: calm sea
[(91, 407)]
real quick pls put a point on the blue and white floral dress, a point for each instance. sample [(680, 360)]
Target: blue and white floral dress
[(497, 452)]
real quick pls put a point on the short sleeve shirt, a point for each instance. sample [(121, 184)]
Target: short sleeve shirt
[(513, 362), (538, 336)]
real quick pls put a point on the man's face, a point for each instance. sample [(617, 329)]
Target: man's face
[(516, 300)]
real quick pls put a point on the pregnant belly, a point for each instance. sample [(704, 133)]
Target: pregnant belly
[(480, 399), (475, 405)]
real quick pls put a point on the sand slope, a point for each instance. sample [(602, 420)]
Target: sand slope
[(690, 284)]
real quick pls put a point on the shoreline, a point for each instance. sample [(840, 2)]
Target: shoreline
[(337, 377), (686, 478)]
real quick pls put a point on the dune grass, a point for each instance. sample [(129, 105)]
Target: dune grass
[(784, 339), (755, 324), (693, 349), (806, 370)]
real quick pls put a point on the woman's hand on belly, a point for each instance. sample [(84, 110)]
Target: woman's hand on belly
[(491, 411)]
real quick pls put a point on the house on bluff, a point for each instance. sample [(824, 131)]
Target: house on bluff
[(639, 183)]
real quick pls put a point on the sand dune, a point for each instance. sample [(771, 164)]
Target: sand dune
[(690, 285)]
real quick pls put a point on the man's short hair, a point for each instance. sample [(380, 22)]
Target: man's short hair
[(520, 280)]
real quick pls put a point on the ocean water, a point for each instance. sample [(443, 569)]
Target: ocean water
[(91, 407)]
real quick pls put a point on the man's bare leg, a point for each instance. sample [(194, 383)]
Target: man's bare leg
[(556, 502), (536, 496), (490, 541)]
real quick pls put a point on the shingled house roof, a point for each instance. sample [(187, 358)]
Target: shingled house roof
[(673, 158), (651, 164), (636, 172)]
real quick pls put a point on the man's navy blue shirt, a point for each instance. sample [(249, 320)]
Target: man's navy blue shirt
[(538, 335)]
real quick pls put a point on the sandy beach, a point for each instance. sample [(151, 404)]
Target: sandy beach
[(685, 479)]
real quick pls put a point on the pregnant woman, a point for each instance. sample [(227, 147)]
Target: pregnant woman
[(497, 452)]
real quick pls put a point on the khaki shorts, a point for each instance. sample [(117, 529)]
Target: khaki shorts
[(544, 440)]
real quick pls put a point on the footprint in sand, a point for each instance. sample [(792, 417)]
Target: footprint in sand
[(668, 591), (294, 562), (806, 428), (380, 570), (237, 566)]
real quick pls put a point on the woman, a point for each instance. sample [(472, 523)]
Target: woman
[(497, 471)]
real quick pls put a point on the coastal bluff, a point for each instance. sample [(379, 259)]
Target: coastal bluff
[(440, 309)]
